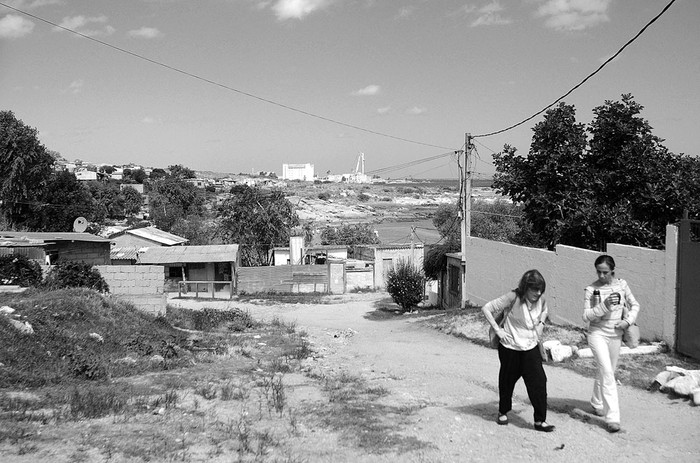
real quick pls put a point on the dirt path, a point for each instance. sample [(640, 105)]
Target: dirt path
[(451, 384)]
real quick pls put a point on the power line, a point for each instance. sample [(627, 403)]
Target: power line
[(226, 87), (409, 163), (629, 42)]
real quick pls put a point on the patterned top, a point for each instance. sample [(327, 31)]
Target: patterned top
[(599, 319)]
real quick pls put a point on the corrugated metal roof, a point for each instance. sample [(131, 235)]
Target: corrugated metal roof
[(157, 235), (123, 253), (20, 243), (391, 246), (188, 254), (54, 236)]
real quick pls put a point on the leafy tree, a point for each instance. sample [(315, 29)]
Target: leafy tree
[(107, 169), (137, 175), (158, 174), (172, 199), (257, 220), (621, 185), (404, 282), (197, 230), (132, 200), (108, 198), (64, 199), (181, 172), (25, 166), (350, 235)]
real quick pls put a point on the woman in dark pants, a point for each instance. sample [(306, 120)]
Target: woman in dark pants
[(526, 310)]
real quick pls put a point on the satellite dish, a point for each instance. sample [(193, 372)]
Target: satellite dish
[(80, 225)]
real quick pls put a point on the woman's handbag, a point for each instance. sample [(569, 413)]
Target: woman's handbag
[(494, 340), (630, 336)]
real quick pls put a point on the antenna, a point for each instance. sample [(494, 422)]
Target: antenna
[(80, 225)]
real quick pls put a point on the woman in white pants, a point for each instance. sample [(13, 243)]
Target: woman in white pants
[(606, 324)]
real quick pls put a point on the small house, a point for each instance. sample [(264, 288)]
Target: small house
[(52, 247), (146, 237), (385, 257)]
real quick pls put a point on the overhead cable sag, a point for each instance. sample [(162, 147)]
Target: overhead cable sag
[(629, 42), (224, 86)]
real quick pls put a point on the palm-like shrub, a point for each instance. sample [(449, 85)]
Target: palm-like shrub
[(405, 283)]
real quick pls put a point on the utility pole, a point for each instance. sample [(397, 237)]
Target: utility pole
[(466, 198)]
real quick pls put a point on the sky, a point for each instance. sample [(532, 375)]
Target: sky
[(244, 86)]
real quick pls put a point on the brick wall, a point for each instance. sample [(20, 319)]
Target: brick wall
[(142, 285)]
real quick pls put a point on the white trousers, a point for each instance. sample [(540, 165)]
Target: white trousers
[(606, 351)]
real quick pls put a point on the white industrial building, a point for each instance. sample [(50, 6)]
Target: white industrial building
[(304, 172)]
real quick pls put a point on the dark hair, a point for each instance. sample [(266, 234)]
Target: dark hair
[(532, 279), (607, 260)]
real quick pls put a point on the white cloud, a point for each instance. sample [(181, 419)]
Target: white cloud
[(148, 120), (489, 15), (406, 11), (416, 111), (31, 4), (79, 24), (368, 90), (14, 26), (384, 110), (574, 15), (145, 33), (298, 9), (76, 86)]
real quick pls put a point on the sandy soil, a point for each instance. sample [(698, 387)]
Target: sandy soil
[(450, 384)]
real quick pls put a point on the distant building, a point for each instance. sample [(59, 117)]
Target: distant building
[(304, 172)]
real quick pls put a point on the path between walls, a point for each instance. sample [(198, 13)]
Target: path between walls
[(452, 385)]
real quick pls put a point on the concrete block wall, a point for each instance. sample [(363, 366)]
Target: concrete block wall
[(142, 285), (359, 278), (493, 268)]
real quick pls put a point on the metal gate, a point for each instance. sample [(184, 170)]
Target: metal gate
[(688, 315)]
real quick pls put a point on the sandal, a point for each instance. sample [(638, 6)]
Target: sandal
[(502, 419)]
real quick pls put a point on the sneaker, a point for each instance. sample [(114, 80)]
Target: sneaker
[(613, 427), (502, 419), (598, 411)]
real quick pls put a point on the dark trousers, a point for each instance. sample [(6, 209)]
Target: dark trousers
[(517, 364)]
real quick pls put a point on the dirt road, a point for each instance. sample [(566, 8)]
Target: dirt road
[(451, 383)]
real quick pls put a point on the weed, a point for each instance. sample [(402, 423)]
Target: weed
[(207, 391), (95, 403)]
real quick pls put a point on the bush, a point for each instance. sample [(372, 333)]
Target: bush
[(324, 195), (404, 283), (19, 270), (70, 274), (363, 197)]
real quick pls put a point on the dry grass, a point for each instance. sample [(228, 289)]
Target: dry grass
[(637, 370)]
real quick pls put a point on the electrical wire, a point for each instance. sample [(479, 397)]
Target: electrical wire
[(409, 163), (226, 87), (629, 42)]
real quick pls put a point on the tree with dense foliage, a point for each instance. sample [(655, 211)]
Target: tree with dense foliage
[(257, 220), (63, 200), (132, 200), (181, 172), (25, 166), (350, 235), (405, 282), (621, 185), (172, 199), (158, 174)]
